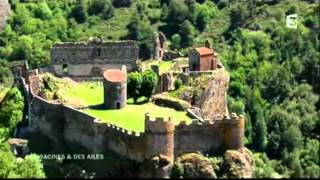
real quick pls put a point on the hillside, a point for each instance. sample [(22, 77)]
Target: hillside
[(274, 70)]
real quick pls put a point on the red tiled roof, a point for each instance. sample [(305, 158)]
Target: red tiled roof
[(203, 51), (115, 75)]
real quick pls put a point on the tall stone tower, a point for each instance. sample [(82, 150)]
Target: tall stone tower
[(115, 88)]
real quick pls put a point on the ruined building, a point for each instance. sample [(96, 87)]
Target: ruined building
[(160, 43), (92, 58)]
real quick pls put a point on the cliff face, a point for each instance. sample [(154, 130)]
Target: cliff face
[(238, 164), (213, 100), (4, 13)]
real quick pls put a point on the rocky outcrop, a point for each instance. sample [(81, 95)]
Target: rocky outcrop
[(156, 167), (238, 164), (212, 100), (4, 13), (193, 165)]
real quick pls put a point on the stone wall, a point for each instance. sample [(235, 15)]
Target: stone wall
[(81, 59), (210, 137), (4, 13), (161, 136)]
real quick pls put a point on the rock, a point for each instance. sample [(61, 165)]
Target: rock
[(213, 100), (193, 165), (238, 163), (156, 167), (4, 13)]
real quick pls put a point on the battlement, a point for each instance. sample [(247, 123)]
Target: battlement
[(158, 124)]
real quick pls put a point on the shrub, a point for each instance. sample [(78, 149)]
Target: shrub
[(177, 170), (134, 85), (177, 84), (149, 83), (177, 104)]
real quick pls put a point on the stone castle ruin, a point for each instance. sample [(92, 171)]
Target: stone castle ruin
[(91, 59), (161, 137)]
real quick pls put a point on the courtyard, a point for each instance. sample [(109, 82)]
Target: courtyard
[(90, 95)]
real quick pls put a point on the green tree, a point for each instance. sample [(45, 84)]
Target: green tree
[(178, 12), (96, 6), (134, 85), (11, 112), (79, 12), (260, 132), (187, 32), (239, 16), (177, 84), (297, 170), (292, 138), (103, 7), (29, 167), (43, 11), (4, 72), (7, 160), (149, 83), (141, 31), (175, 41), (108, 11)]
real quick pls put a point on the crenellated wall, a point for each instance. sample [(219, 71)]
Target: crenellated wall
[(161, 136)]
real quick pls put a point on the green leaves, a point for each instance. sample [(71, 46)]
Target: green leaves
[(142, 84), (149, 83), (11, 112), (29, 167)]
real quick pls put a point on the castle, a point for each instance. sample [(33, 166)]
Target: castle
[(161, 136)]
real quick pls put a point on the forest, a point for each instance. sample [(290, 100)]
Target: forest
[(274, 70)]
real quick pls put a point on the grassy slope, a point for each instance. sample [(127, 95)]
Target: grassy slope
[(131, 117)]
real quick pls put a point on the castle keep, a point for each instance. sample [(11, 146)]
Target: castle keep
[(115, 88), (90, 59)]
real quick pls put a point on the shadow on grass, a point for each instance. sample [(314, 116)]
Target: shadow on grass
[(97, 107), (130, 101), (139, 102)]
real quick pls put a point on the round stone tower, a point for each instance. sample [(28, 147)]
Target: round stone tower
[(115, 88)]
